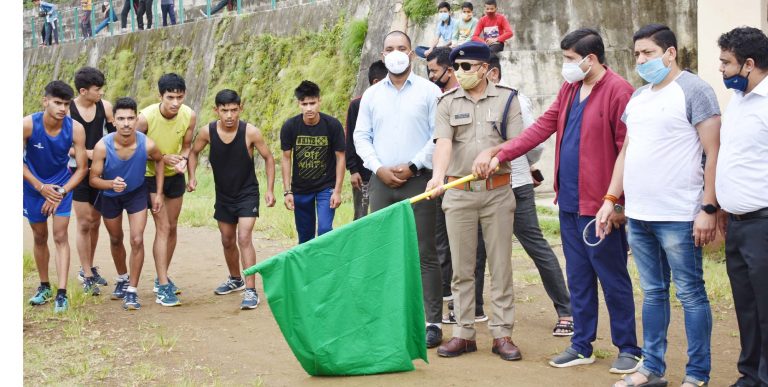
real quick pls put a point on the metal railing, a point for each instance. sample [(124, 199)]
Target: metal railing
[(68, 27)]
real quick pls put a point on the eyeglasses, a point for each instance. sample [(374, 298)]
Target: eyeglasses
[(466, 66)]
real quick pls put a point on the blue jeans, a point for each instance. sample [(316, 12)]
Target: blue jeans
[(305, 206), (105, 23), (661, 248)]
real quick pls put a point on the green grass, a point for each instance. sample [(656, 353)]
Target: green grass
[(419, 11)]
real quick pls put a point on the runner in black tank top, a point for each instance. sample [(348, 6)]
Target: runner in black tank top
[(89, 82), (237, 191), (94, 130), (233, 169)]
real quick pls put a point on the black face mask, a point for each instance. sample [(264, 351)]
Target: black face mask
[(438, 82)]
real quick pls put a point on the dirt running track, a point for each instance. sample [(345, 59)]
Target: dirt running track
[(218, 343)]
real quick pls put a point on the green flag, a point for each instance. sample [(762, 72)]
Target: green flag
[(350, 301)]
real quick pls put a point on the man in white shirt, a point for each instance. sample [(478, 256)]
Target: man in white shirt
[(741, 186), (670, 200)]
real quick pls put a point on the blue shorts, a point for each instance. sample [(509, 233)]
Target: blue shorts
[(33, 206), (132, 202)]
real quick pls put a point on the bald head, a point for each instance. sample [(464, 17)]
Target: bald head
[(397, 39)]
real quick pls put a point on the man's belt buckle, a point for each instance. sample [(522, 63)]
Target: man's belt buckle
[(477, 186)]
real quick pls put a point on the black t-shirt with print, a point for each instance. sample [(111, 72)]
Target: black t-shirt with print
[(314, 147)]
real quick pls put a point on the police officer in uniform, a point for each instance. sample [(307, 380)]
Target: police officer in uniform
[(468, 120)]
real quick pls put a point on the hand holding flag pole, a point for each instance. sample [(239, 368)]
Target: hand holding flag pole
[(445, 187)]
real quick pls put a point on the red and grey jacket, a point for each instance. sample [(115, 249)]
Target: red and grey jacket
[(602, 136)]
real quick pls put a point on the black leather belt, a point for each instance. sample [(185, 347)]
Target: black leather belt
[(762, 213), (423, 171)]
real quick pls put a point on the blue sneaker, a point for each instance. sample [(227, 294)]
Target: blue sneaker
[(61, 304), (120, 289), (43, 295), (250, 299), (91, 287), (166, 296), (229, 286), (176, 290), (96, 276), (131, 301)]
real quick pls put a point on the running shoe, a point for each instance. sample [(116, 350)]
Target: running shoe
[(91, 287), (96, 276), (176, 290), (120, 287), (229, 286), (166, 295), (131, 301), (250, 299), (43, 295), (61, 304)]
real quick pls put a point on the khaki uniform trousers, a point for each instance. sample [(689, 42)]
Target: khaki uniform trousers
[(495, 209)]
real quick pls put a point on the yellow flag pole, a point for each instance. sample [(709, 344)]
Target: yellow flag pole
[(445, 187)]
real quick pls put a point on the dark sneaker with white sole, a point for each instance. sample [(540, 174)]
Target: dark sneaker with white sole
[(626, 363), (570, 358)]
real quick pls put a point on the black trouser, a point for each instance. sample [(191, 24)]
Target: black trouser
[(424, 212), (124, 13), (496, 47), (145, 7), (746, 251)]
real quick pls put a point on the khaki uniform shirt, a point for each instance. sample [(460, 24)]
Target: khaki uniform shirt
[(475, 126)]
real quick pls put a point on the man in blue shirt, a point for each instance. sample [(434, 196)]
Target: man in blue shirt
[(393, 136)]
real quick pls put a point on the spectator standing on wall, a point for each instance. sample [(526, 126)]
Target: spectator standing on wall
[(51, 26), (144, 7), (166, 6), (493, 28), (465, 26), (126, 10), (85, 19), (443, 31)]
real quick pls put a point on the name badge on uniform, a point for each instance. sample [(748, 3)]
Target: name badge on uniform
[(460, 116)]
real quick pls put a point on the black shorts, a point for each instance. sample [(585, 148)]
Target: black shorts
[(230, 212), (173, 186), (112, 206), (83, 192)]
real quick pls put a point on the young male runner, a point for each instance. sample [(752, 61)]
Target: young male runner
[(169, 124), (95, 114), (237, 190), (48, 183), (119, 162)]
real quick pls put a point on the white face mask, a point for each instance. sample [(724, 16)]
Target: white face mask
[(397, 62), (572, 72)]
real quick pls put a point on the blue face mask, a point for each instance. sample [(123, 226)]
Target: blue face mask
[(736, 81), (444, 16), (654, 71)]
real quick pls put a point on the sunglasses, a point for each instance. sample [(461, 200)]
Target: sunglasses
[(466, 66)]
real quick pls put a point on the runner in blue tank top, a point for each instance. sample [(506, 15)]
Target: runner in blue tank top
[(118, 167), (48, 183)]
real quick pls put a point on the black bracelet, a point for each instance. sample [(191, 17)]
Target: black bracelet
[(286, 193)]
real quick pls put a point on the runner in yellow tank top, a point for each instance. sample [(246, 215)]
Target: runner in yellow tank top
[(170, 125)]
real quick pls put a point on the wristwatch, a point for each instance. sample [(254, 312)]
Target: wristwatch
[(709, 208), (618, 208), (414, 169)]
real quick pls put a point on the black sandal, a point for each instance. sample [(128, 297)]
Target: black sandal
[(563, 328)]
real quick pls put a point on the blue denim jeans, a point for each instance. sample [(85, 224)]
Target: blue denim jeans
[(661, 248), (305, 207)]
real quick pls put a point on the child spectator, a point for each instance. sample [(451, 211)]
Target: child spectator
[(493, 29)]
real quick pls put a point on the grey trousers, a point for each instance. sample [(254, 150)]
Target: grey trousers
[(528, 232), (382, 196), (361, 200)]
